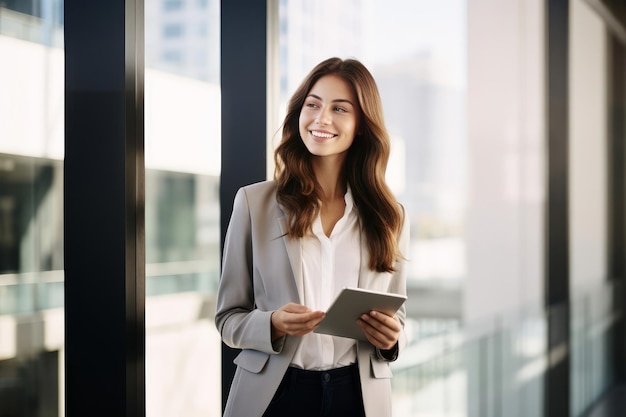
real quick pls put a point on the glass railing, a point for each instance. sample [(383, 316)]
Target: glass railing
[(593, 315), (496, 368), (488, 368), (178, 277), (30, 293)]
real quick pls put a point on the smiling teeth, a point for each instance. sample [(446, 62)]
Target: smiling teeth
[(322, 135)]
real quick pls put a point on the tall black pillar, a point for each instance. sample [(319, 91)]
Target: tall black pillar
[(244, 114), (104, 209)]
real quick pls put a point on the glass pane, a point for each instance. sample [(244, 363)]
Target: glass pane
[(182, 125), (591, 361), (588, 147), (31, 208)]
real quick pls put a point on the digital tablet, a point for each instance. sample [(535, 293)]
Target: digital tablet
[(350, 304)]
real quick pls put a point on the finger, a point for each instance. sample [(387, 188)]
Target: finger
[(379, 335), (372, 337), (378, 339), (312, 316), (383, 323), (391, 322), (295, 308), (303, 312), (299, 324), (377, 331)]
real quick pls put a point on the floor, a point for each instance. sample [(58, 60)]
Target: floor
[(611, 405)]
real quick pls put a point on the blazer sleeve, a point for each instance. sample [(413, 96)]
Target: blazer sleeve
[(240, 323), (398, 285)]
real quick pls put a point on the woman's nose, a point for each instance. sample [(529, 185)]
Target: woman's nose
[(323, 117)]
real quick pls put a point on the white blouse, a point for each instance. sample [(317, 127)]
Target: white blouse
[(329, 264)]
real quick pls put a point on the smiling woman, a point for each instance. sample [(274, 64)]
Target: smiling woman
[(339, 226)]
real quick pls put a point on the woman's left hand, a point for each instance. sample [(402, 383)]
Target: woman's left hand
[(380, 329)]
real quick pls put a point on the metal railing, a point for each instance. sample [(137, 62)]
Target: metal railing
[(496, 368), (492, 368)]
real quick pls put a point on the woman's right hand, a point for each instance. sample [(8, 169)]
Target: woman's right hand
[(294, 319)]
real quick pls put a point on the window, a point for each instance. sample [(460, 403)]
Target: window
[(172, 56), (31, 209), (171, 5), (174, 30), (182, 142)]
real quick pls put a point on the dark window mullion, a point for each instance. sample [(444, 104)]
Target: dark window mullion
[(103, 209), (556, 387), (243, 85)]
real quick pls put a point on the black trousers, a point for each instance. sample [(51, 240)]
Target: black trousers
[(332, 393)]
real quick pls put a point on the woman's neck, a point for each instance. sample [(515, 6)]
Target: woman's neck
[(331, 178)]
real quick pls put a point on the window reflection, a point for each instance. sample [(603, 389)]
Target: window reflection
[(182, 136), (31, 208)]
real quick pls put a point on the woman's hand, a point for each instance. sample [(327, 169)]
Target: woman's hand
[(294, 319), (380, 329)]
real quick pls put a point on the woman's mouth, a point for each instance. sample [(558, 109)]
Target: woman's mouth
[(321, 135)]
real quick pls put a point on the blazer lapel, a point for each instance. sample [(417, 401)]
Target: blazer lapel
[(295, 257)]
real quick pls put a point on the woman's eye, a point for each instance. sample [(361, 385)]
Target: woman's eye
[(340, 109)]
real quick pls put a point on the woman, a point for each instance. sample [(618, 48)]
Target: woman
[(327, 221)]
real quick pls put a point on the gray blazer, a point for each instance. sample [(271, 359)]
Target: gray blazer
[(261, 267)]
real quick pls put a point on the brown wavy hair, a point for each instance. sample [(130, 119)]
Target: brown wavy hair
[(300, 194)]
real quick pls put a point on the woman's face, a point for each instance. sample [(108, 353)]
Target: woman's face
[(329, 117)]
